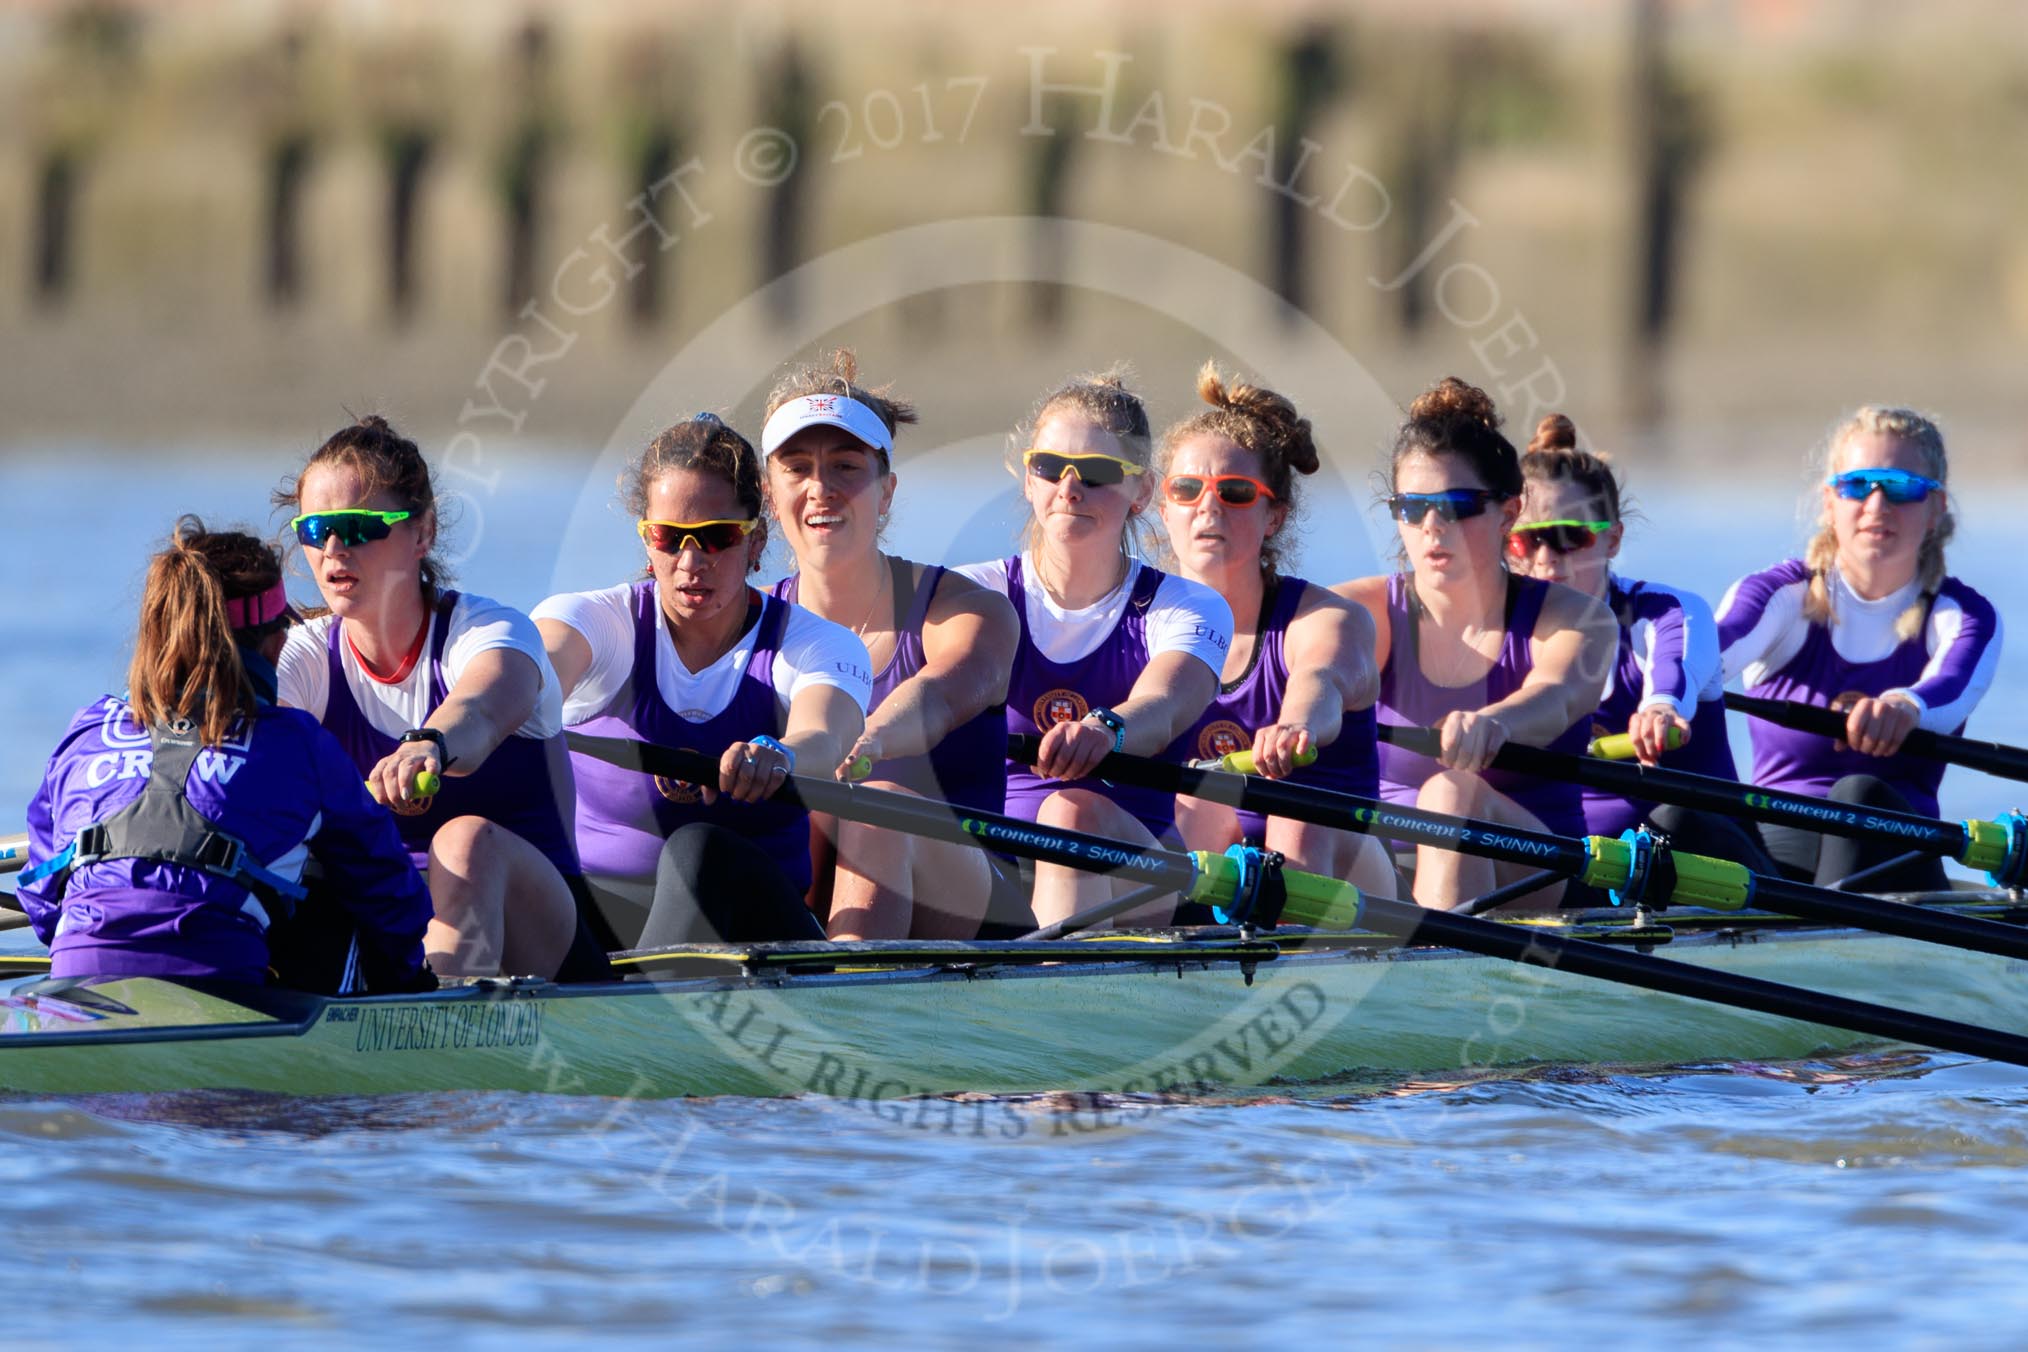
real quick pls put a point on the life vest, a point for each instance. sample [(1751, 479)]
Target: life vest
[(161, 826)]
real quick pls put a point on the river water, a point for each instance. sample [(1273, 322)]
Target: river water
[(1870, 1199)]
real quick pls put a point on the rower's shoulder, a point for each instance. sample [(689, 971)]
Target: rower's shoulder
[(1568, 608), (1370, 593), (1967, 598), (959, 596)]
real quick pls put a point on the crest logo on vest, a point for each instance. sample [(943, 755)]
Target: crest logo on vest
[(1221, 739), (679, 790), (1059, 706)]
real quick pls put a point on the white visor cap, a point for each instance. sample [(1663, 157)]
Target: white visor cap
[(826, 410)]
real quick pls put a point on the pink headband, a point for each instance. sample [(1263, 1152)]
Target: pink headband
[(250, 612)]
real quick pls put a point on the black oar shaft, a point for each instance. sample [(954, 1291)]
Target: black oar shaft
[(1995, 758), (1346, 811), (1414, 924), (1565, 854), (1725, 796), (919, 816)]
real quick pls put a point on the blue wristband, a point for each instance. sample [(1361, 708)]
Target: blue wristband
[(773, 745), (1112, 723)]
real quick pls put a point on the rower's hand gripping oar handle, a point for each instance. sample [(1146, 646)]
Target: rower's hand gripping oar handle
[(1241, 762), (1619, 746), (427, 785)]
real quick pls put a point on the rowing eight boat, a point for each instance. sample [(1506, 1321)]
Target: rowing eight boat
[(879, 1022)]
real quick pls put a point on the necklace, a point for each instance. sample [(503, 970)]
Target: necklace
[(886, 581)]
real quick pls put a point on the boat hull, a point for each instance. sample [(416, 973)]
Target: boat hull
[(886, 1035)]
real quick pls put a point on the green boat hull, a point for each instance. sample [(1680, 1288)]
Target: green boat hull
[(892, 1035)]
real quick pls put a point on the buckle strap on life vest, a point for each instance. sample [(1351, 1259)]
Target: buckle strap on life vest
[(162, 826)]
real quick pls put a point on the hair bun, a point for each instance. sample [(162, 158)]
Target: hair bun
[(1454, 398), (1287, 431), (1554, 433)]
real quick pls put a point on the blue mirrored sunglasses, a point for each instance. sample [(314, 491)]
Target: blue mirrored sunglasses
[(1898, 484), (1453, 504)]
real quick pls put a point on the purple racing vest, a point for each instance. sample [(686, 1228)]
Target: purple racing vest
[(1709, 751), (1042, 693), (624, 816), (969, 766), (1408, 698), (1802, 762), (525, 785), (1349, 764)]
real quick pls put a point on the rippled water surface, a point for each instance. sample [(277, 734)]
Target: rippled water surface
[(1878, 1200)]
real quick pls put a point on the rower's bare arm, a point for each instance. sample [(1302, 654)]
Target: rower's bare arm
[(1172, 691), (968, 640), (570, 654), (496, 693), (1370, 593), (1330, 644), (1572, 652), (823, 721)]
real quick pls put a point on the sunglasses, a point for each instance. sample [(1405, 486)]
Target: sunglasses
[(712, 537), (1453, 504), (1093, 471), (1558, 537), (1898, 484), (1234, 490), (354, 526)]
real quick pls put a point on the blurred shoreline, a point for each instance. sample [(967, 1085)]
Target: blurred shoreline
[(240, 224)]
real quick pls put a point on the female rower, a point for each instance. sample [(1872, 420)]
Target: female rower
[(414, 679), (940, 647), (1302, 676), (1666, 678), (1481, 654), (172, 826), (692, 656), (1114, 655), (1866, 622)]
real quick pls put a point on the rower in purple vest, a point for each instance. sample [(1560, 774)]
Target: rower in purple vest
[(1666, 677), (1114, 655), (1867, 622), (1472, 650), (692, 656), (414, 678), (171, 830), (940, 645), (1300, 676)]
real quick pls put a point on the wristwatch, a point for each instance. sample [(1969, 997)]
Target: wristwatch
[(430, 735), (1112, 723)]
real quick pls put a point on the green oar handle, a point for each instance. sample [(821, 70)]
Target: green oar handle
[(1684, 879), (427, 786), (1405, 920), (1995, 758), (1619, 746), (1970, 842), (13, 853), (1241, 762)]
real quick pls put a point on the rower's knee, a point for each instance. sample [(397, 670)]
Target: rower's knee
[(467, 847), (1082, 810), (1457, 792)]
